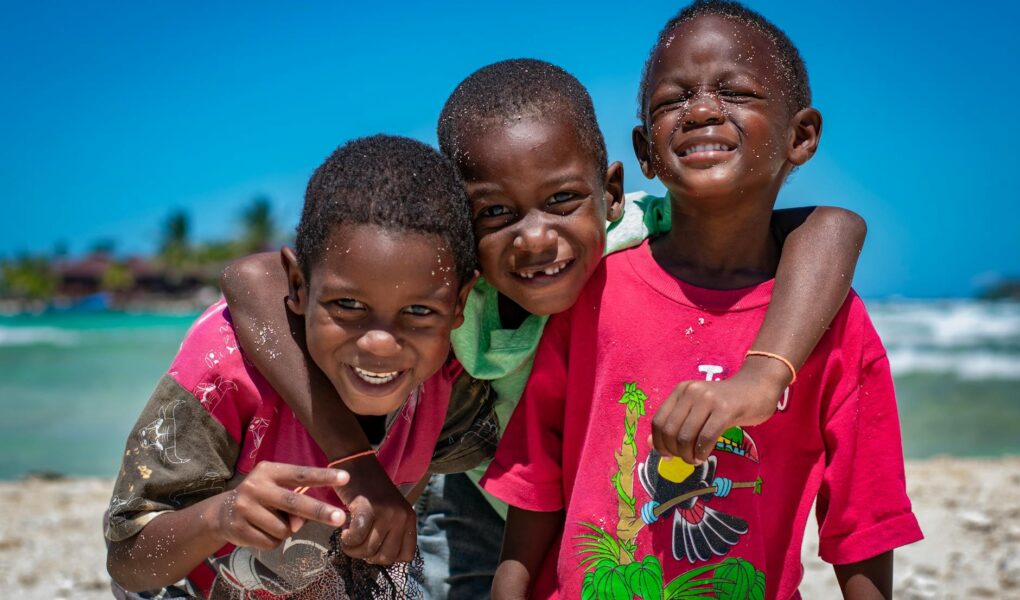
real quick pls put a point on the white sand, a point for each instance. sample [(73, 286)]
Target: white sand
[(51, 543)]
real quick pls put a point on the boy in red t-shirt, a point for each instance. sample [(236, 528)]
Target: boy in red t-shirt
[(725, 105)]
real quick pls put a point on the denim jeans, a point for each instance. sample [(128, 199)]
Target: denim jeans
[(459, 536)]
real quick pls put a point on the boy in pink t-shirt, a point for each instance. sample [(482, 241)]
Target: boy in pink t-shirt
[(596, 511), (207, 503)]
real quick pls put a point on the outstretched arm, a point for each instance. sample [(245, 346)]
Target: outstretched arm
[(382, 523), (816, 268)]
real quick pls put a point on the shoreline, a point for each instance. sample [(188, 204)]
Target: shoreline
[(969, 509)]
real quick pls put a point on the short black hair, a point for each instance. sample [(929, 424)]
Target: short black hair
[(798, 91), (393, 182), (506, 91)]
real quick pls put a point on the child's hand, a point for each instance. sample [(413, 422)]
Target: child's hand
[(383, 526), (696, 413), (264, 510)]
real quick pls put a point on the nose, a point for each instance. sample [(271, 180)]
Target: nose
[(379, 342), (535, 237), (703, 109)]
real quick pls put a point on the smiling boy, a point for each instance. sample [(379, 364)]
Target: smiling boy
[(597, 510), (384, 262)]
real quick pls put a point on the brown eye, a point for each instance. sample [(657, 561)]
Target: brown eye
[(493, 211), (349, 304), (418, 310)]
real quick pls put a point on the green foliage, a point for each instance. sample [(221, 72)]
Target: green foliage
[(259, 228), (116, 278), (174, 249), (738, 579), (634, 398), (645, 578), (597, 546), (627, 498), (687, 587), (29, 277)]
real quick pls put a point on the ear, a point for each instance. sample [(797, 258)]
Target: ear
[(297, 290), (462, 297), (613, 187), (642, 148), (805, 134)]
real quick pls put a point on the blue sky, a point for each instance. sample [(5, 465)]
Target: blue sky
[(115, 114)]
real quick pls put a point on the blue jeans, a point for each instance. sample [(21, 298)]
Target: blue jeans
[(459, 536)]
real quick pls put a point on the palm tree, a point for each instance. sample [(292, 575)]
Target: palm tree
[(174, 248), (259, 228)]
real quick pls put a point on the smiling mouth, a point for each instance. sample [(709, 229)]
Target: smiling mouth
[(375, 378), (549, 271), (706, 148)]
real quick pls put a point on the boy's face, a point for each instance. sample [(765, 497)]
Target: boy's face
[(378, 308), (717, 123), (540, 207)]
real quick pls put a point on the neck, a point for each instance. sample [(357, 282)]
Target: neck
[(719, 245)]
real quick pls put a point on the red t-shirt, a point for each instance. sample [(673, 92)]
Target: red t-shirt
[(734, 525)]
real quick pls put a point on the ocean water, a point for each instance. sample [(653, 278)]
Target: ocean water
[(71, 386)]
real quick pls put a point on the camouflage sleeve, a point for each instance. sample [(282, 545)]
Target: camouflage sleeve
[(177, 454)]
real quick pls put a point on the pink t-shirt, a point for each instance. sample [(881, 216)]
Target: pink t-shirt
[(734, 525)]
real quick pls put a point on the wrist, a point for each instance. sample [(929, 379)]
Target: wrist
[(366, 474), (766, 371), (212, 516)]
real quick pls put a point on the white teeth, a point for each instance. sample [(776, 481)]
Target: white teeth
[(705, 148), (554, 269), (376, 378)]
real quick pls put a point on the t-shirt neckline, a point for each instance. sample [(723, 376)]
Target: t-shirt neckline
[(747, 298)]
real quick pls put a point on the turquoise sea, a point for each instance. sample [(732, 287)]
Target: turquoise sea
[(71, 386)]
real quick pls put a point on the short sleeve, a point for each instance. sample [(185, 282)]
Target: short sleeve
[(863, 509), (176, 455), (644, 216), (185, 445), (526, 471)]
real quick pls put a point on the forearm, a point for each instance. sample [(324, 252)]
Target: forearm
[(167, 549), (527, 539), (272, 337), (815, 272), (867, 580)]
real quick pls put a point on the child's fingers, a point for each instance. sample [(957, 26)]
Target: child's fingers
[(251, 524), (295, 476), (690, 430), (388, 550), (295, 522), (367, 549), (409, 541), (662, 427), (303, 506), (710, 433), (360, 523)]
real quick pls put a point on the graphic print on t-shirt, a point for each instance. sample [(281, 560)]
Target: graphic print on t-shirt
[(699, 532)]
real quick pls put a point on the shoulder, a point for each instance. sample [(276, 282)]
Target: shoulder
[(644, 216), (853, 332), (212, 367)]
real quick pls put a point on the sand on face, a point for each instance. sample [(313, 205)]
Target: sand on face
[(51, 541)]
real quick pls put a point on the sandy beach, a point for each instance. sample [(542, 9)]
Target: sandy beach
[(51, 542)]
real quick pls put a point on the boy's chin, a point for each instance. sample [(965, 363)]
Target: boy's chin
[(547, 304)]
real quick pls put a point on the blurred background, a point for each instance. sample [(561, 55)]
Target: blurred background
[(146, 144)]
